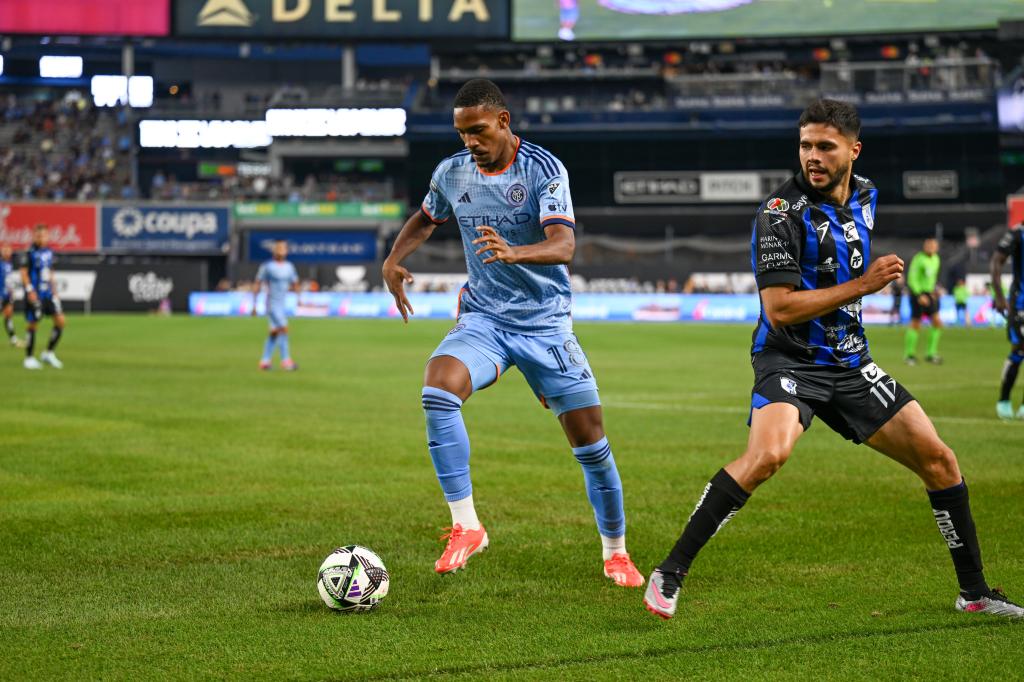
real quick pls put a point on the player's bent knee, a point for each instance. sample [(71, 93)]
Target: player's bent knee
[(938, 467), (764, 461), (448, 373)]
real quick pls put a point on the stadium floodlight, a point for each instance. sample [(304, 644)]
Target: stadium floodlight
[(335, 122), (112, 91), (109, 91), (190, 134), (140, 91), (52, 66)]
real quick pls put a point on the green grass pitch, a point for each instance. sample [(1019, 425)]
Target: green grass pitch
[(537, 20), (164, 507)]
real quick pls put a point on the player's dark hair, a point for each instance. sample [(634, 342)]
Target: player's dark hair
[(840, 115), (480, 92), (40, 226)]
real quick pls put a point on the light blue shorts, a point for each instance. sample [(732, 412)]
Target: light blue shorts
[(554, 366), (277, 317)]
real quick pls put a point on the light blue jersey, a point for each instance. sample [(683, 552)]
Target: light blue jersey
[(279, 277), (531, 193)]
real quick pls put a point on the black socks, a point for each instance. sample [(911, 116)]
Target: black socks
[(952, 511), (722, 498)]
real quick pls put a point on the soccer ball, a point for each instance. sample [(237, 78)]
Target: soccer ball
[(352, 578)]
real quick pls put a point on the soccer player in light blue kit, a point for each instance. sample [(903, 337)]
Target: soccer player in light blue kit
[(280, 277), (510, 201)]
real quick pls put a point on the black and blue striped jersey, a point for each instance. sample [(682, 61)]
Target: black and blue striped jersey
[(1011, 245), (801, 239), (39, 263)]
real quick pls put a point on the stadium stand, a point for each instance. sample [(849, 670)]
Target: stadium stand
[(63, 148)]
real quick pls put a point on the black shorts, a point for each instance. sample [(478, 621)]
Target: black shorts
[(917, 311), (49, 305), (6, 300), (855, 403), (1015, 326)]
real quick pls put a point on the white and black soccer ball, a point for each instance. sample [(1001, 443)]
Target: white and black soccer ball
[(352, 578)]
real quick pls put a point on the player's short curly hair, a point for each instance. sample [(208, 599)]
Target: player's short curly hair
[(840, 115), (480, 92)]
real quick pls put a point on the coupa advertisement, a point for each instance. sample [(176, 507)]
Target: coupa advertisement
[(157, 228)]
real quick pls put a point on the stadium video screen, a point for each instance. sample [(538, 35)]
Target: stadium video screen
[(74, 17), (545, 20)]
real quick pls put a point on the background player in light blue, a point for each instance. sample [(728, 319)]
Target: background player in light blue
[(40, 299), (7, 293), (510, 201), (280, 277)]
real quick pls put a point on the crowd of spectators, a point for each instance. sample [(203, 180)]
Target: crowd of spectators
[(634, 77), (63, 149)]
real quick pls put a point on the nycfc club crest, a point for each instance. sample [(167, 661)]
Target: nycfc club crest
[(516, 194)]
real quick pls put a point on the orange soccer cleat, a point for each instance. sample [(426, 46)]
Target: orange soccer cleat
[(462, 544), (620, 569)]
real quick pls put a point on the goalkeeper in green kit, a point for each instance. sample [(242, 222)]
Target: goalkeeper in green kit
[(922, 277)]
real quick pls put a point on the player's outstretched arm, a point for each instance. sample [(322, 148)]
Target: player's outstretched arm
[(995, 270), (415, 231), (784, 306), (557, 249)]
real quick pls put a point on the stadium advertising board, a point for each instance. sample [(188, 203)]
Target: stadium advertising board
[(145, 287), (193, 134), (743, 308), (351, 19), (119, 287), (931, 184), (687, 187), (545, 20), (316, 246), (318, 210), (72, 226), (74, 17), (73, 287), (164, 228)]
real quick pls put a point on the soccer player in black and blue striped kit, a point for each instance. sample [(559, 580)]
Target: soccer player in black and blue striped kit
[(40, 299), (811, 255), (1011, 246)]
